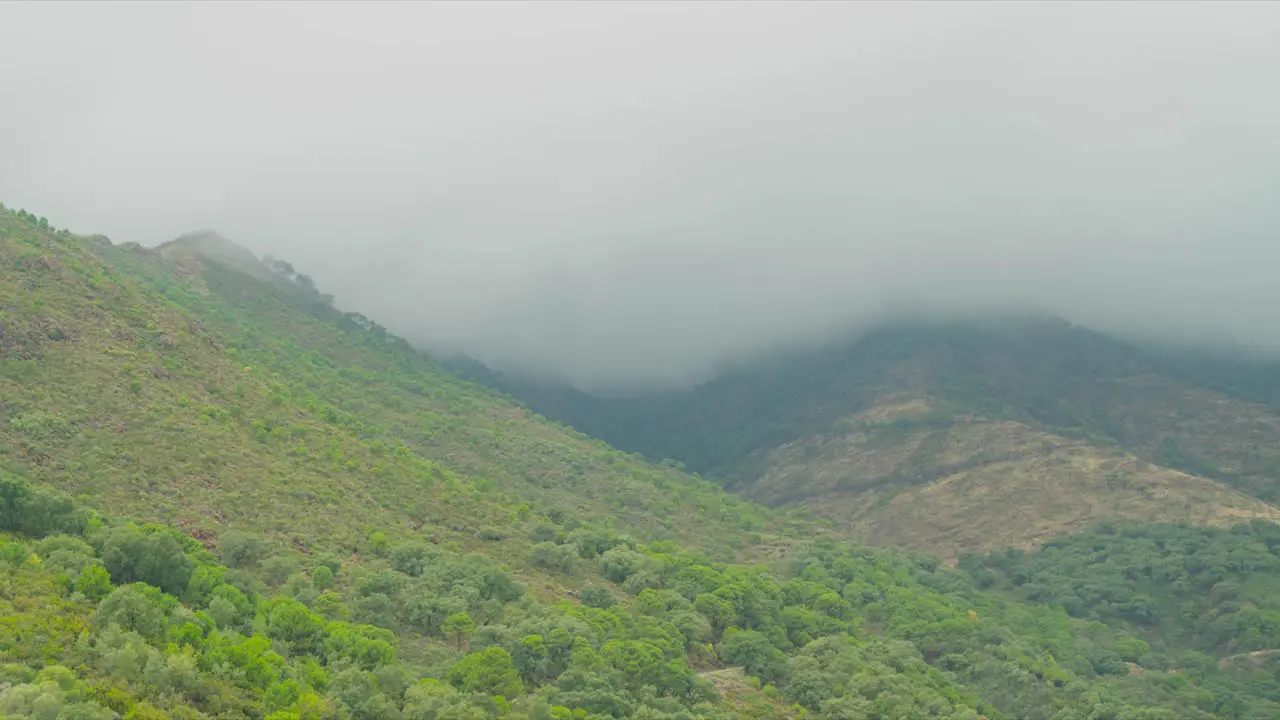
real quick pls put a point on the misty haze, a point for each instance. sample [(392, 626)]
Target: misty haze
[(633, 193)]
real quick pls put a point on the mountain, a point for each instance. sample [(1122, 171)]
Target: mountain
[(223, 497), (959, 437), (170, 386)]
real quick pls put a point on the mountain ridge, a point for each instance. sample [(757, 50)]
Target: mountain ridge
[(1103, 411)]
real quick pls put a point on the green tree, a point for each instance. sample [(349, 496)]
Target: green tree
[(379, 544), (368, 646), (131, 609), (322, 577), (458, 626), (597, 597), (241, 549), (150, 555), (94, 582), (329, 604), (293, 622), (490, 671), (755, 653), (411, 558), (276, 569), (718, 611)]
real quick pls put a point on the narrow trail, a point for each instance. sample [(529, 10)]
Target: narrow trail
[(1255, 654), (721, 672)]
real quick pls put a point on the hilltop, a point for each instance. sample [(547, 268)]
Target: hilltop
[(957, 437), (187, 253)]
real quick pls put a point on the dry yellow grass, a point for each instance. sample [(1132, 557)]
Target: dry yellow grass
[(902, 474), (1235, 437)]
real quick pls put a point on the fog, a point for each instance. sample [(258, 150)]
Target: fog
[(632, 193)]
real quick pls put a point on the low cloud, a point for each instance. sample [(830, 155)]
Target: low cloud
[(633, 193)]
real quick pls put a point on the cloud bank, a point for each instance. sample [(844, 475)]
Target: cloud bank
[(631, 193)]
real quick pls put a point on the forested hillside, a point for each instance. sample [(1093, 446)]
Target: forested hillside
[(222, 497), (185, 391), (1211, 590), (105, 618), (925, 434)]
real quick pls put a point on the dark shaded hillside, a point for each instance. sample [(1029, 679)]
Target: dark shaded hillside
[(921, 433), (1253, 380), (716, 426), (1016, 370)]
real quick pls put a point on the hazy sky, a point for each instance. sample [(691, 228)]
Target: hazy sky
[(632, 192)]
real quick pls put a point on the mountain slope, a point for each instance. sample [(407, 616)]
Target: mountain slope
[(903, 476), (284, 512), (925, 435), (213, 399), (98, 623)]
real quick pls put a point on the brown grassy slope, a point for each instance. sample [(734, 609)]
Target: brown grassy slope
[(903, 473), (236, 410), (1173, 422)]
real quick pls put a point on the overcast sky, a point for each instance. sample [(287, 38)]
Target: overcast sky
[(633, 192)]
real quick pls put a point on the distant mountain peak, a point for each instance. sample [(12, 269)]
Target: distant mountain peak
[(188, 248)]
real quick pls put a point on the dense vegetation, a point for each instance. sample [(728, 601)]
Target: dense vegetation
[(204, 397), (1045, 373), (104, 616), (224, 498), (1211, 590)]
